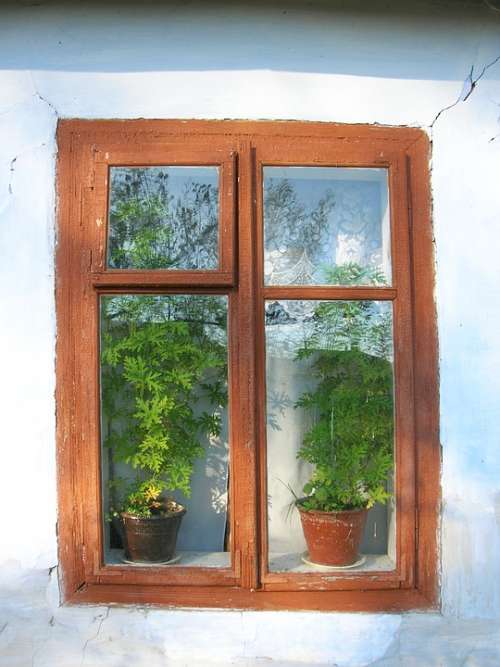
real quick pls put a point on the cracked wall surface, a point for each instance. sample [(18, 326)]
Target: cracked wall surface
[(432, 66), (39, 632)]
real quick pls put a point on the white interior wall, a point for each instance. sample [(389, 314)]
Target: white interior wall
[(431, 65)]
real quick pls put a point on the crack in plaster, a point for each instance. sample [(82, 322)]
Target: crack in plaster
[(41, 97), (101, 618), (49, 104), (468, 88), (3, 627), (474, 82), (11, 169), (496, 136), (12, 163)]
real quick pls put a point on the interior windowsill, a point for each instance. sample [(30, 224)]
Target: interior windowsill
[(213, 559), (292, 562)]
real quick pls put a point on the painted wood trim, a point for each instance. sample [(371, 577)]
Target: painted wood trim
[(75, 257), (239, 598)]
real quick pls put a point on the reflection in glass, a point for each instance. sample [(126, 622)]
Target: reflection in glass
[(163, 218), (317, 219), (329, 376), (164, 420)]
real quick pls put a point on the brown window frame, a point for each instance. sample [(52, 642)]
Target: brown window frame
[(86, 149)]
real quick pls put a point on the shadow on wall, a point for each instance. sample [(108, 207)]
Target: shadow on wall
[(291, 37)]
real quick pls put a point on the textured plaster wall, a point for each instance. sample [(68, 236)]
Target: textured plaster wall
[(433, 66)]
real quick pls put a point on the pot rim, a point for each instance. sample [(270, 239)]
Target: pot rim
[(155, 517), (355, 510)]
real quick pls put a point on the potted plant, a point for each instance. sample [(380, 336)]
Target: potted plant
[(158, 364), (350, 444), (163, 361)]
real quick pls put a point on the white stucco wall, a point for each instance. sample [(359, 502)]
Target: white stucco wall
[(432, 66)]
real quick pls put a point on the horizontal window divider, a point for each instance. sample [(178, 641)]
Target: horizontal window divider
[(304, 292), (366, 581), (340, 162), (164, 278), (163, 160), (173, 576), (156, 130), (166, 290), (144, 155)]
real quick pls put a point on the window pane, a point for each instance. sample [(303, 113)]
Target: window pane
[(330, 423), (163, 218), (164, 428), (326, 225)]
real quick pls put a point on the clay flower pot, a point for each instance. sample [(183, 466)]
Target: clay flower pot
[(151, 539), (333, 538)]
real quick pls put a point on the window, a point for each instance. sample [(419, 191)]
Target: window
[(207, 275)]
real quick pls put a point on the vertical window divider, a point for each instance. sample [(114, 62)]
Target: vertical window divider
[(246, 443), (261, 367)]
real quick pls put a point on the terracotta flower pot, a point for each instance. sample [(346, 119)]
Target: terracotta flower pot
[(151, 539), (333, 538)]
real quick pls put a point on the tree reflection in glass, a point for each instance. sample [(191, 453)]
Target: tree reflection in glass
[(319, 218), (163, 218)]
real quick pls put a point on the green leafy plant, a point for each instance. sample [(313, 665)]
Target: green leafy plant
[(163, 358), (351, 441), (159, 363)]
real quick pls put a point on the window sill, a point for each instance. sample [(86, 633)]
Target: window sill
[(210, 597)]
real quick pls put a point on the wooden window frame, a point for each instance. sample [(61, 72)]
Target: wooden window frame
[(86, 149)]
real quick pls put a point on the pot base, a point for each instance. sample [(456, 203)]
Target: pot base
[(143, 563), (305, 559)]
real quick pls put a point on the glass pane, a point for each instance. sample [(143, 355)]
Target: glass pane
[(164, 429), (330, 424), (163, 218), (326, 225)]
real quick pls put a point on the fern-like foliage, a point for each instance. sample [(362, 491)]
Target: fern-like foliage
[(351, 442), (162, 357)]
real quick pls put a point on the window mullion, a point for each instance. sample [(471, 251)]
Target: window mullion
[(245, 397)]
